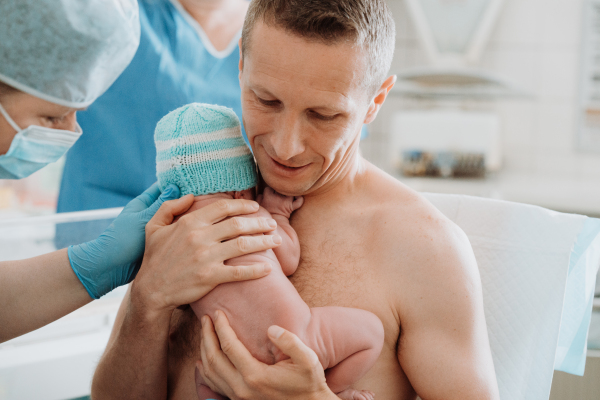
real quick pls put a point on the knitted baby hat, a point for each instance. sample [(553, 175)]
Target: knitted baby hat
[(199, 147)]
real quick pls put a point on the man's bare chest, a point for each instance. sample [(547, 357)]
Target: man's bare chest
[(336, 269)]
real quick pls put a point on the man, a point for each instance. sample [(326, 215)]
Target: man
[(311, 73)]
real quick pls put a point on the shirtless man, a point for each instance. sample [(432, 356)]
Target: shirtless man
[(311, 74)]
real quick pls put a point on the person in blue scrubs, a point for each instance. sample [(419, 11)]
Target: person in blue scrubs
[(175, 64)]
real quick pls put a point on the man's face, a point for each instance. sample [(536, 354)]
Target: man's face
[(303, 108)]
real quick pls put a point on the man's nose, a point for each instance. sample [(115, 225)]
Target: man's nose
[(287, 141)]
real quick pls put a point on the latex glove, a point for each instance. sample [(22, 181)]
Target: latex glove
[(114, 258)]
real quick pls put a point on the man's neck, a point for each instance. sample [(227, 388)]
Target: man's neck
[(220, 19)]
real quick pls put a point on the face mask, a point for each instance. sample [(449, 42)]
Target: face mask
[(33, 148)]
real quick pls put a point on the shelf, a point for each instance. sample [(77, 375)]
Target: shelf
[(554, 192)]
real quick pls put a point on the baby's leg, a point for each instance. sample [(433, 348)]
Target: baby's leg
[(349, 341)]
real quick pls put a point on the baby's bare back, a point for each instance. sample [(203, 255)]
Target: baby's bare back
[(346, 340)]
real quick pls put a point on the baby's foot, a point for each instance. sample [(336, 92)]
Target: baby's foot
[(353, 394)]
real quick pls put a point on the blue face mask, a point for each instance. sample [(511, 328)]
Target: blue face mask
[(33, 148)]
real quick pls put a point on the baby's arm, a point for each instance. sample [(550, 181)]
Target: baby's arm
[(281, 208)]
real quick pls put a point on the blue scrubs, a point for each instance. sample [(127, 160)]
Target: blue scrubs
[(114, 160)]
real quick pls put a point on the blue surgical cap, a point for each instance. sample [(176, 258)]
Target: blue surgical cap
[(67, 52)]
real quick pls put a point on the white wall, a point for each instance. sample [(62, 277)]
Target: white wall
[(536, 44)]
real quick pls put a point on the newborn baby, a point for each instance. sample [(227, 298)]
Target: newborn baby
[(200, 148)]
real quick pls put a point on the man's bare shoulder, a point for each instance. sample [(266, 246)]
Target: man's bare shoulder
[(422, 244)]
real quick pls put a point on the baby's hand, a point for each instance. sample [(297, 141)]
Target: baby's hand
[(276, 203)]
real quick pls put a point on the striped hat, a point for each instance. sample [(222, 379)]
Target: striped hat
[(199, 147)]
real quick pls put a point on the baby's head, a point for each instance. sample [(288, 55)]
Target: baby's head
[(199, 147)]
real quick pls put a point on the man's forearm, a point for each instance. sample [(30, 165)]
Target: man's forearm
[(134, 365)]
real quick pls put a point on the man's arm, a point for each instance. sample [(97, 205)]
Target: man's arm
[(444, 348)]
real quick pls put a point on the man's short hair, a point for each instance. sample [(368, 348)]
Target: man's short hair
[(368, 23)]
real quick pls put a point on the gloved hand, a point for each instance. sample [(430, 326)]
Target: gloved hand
[(115, 257)]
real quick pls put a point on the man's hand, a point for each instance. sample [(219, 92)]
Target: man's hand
[(229, 368), (185, 260)]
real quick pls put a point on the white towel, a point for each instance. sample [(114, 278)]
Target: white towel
[(524, 254)]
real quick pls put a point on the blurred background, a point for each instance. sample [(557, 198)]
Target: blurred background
[(495, 98)]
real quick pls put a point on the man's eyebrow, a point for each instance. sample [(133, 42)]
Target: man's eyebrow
[(262, 90)]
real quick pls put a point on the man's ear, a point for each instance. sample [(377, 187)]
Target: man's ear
[(379, 99), (241, 64)]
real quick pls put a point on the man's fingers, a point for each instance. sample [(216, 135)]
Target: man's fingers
[(292, 346), (219, 210), (203, 379), (238, 226), (237, 353), (248, 244), (170, 209), (235, 273), (215, 365)]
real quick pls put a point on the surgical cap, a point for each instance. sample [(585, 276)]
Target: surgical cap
[(67, 52)]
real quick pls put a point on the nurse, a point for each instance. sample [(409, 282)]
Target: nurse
[(57, 57), (188, 53)]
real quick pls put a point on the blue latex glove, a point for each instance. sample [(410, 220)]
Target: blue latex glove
[(115, 257)]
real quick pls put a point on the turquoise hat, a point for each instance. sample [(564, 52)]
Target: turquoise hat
[(199, 147)]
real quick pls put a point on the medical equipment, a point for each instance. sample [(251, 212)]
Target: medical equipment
[(33, 148), (445, 143), (70, 53), (454, 35)]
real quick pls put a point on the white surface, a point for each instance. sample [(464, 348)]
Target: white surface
[(523, 256), (57, 362), (579, 195)]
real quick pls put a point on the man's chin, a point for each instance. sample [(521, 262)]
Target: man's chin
[(287, 187)]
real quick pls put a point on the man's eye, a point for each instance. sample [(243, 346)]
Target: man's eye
[(269, 103), (323, 117)]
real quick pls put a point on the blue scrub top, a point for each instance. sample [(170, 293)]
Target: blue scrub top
[(114, 160)]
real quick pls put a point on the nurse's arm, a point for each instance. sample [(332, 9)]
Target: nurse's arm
[(37, 291)]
